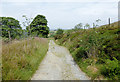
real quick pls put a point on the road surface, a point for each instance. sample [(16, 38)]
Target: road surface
[(58, 65)]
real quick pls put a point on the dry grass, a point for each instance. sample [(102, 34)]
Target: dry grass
[(93, 69), (20, 59)]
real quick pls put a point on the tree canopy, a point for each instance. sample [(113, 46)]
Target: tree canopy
[(59, 31), (38, 26), (59, 34), (10, 27), (78, 26)]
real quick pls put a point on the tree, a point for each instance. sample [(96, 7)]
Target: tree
[(27, 23), (94, 25), (59, 34), (79, 26), (59, 31), (97, 21), (10, 27), (39, 26), (87, 25)]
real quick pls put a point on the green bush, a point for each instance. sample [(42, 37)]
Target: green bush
[(80, 53), (59, 31), (58, 36), (111, 69)]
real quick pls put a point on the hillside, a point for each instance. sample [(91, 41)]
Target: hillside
[(96, 50)]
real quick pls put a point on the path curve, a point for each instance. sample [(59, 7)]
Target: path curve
[(58, 65)]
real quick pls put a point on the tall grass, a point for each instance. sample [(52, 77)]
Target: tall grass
[(20, 59)]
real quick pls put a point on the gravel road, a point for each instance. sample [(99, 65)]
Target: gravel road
[(58, 65)]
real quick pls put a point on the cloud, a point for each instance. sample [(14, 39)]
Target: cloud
[(59, 0), (63, 14)]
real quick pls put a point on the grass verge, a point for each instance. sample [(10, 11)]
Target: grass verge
[(20, 59)]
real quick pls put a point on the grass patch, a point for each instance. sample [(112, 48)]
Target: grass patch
[(20, 59)]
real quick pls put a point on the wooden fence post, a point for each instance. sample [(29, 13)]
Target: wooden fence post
[(109, 22)]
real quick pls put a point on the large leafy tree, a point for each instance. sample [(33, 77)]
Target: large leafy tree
[(38, 26), (10, 27)]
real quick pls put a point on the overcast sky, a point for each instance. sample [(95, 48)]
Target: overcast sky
[(63, 14)]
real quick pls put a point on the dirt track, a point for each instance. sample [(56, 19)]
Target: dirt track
[(58, 65)]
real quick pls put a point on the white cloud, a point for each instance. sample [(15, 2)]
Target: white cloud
[(59, 0), (63, 15)]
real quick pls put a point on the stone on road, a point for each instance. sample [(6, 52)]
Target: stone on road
[(58, 65)]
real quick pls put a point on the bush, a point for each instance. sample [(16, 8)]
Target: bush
[(59, 31), (111, 69), (59, 34), (80, 53)]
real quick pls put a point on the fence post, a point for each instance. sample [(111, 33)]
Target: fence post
[(109, 22)]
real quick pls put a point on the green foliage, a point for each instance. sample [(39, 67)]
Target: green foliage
[(87, 26), (91, 70), (78, 26), (24, 34), (59, 31), (111, 69), (52, 34), (39, 26), (99, 43), (80, 53), (59, 34), (10, 27)]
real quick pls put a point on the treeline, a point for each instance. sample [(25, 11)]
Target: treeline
[(96, 50), (11, 29)]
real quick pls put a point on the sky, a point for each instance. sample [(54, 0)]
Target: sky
[(64, 14)]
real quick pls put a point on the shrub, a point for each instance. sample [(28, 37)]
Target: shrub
[(111, 69), (80, 53), (59, 31)]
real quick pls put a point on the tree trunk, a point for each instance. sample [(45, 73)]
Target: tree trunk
[(9, 35)]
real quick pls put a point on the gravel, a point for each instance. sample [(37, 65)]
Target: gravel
[(58, 65)]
